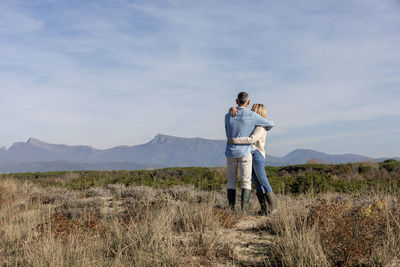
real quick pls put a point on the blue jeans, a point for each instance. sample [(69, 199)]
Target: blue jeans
[(258, 175)]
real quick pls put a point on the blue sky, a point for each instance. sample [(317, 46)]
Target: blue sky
[(107, 73)]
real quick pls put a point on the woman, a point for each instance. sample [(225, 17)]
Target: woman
[(259, 177)]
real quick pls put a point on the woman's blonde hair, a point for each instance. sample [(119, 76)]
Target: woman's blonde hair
[(259, 109)]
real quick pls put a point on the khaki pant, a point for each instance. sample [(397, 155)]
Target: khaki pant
[(245, 166)]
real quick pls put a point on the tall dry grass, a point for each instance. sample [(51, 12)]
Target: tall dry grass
[(114, 226), (117, 225), (335, 230)]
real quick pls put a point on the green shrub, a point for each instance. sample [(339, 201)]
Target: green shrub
[(201, 178), (295, 179)]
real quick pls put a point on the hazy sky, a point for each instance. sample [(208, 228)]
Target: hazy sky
[(107, 73)]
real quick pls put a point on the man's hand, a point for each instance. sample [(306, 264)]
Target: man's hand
[(233, 111), (230, 141)]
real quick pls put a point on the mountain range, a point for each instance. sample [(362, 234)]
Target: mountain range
[(162, 151)]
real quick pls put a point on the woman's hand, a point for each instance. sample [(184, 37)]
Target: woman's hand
[(233, 111)]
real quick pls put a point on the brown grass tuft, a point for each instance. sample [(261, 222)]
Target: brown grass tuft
[(352, 234), (61, 225), (226, 217)]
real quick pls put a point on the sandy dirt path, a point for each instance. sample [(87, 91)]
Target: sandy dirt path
[(248, 240)]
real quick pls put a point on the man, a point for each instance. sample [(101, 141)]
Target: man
[(239, 156)]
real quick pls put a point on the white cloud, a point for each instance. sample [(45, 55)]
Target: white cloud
[(14, 21)]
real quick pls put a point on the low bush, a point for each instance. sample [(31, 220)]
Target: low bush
[(296, 179), (335, 231)]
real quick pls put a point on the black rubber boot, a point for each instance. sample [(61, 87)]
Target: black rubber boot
[(270, 197), (245, 201), (232, 199), (263, 203)]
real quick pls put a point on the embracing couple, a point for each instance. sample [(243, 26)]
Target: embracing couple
[(246, 132)]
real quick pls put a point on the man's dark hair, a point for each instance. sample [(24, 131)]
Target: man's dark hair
[(242, 98)]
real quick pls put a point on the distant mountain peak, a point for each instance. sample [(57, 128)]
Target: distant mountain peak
[(302, 151), (158, 136), (35, 142), (162, 138)]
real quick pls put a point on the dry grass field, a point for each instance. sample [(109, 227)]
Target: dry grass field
[(118, 225)]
